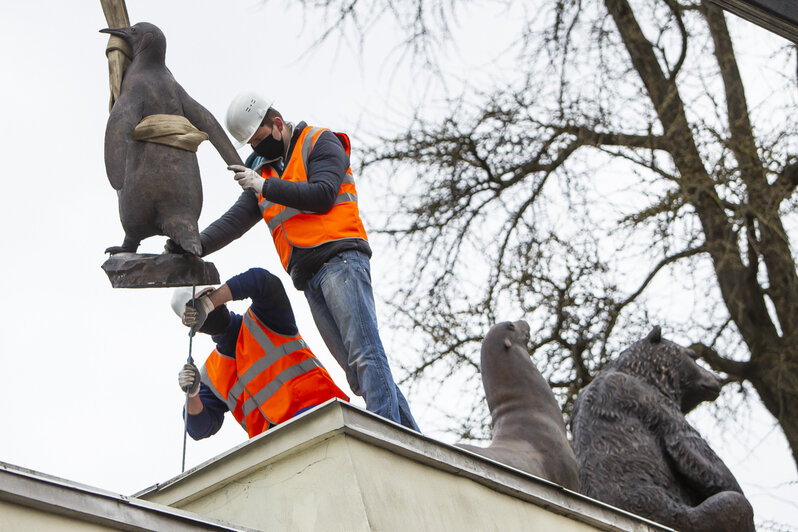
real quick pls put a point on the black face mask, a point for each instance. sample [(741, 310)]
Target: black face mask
[(216, 322), (269, 148)]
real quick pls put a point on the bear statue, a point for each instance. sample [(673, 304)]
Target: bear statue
[(636, 451)]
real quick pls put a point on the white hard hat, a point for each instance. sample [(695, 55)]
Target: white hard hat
[(182, 295), (244, 116)]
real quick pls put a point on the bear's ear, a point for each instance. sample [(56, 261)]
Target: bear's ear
[(655, 336)]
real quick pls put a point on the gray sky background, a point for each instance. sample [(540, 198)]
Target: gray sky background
[(89, 387)]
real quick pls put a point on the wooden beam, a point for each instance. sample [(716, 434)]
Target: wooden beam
[(117, 51)]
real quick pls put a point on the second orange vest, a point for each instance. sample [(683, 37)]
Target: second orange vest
[(270, 379)]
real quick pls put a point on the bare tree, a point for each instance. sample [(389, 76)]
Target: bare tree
[(620, 166)]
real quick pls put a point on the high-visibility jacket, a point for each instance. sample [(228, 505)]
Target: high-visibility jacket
[(293, 228), (270, 378)]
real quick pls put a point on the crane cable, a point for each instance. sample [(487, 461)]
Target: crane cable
[(185, 413)]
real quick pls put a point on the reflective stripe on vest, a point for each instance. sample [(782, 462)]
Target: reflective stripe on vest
[(288, 212), (257, 384), (293, 228), (254, 402), (208, 378)]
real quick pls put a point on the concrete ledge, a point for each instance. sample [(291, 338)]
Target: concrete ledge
[(33, 501), (338, 467)]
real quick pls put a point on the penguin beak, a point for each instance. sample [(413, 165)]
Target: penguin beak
[(119, 32)]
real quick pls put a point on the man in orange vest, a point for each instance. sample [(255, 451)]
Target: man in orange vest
[(261, 370), (298, 180)]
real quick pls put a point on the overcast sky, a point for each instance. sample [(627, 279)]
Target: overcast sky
[(89, 387)]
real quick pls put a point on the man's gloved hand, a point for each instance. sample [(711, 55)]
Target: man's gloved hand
[(197, 310), (189, 379), (247, 178)]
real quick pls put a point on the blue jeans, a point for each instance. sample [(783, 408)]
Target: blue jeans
[(342, 304)]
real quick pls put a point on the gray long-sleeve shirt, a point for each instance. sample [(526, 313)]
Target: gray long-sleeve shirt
[(327, 166)]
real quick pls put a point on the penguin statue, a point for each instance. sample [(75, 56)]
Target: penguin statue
[(150, 147)]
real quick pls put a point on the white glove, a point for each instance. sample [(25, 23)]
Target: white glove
[(196, 312), (247, 178), (189, 379)]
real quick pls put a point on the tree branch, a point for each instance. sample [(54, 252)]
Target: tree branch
[(664, 262), (742, 135), (591, 137), (677, 13), (671, 203), (738, 370), (784, 185), (519, 172)]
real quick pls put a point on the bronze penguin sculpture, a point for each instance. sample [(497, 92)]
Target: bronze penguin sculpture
[(158, 184), (528, 428)]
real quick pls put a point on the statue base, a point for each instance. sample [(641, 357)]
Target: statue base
[(139, 270)]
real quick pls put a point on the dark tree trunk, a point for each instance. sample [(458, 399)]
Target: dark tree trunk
[(773, 369)]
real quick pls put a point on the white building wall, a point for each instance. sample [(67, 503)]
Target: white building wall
[(340, 468)]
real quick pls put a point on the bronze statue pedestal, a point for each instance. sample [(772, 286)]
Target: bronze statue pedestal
[(140, 270)]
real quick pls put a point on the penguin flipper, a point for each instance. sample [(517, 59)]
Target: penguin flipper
[(205, 121), (124, 117)]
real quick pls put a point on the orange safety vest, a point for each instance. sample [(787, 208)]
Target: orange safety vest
[(271, 377), (292, 228)]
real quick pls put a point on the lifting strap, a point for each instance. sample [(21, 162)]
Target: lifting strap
[(118, 51), (170, 130)]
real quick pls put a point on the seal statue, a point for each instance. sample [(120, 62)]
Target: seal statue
[(150, 147), (528, 427)]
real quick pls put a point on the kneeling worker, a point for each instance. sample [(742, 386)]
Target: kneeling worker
[(261, 370)]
